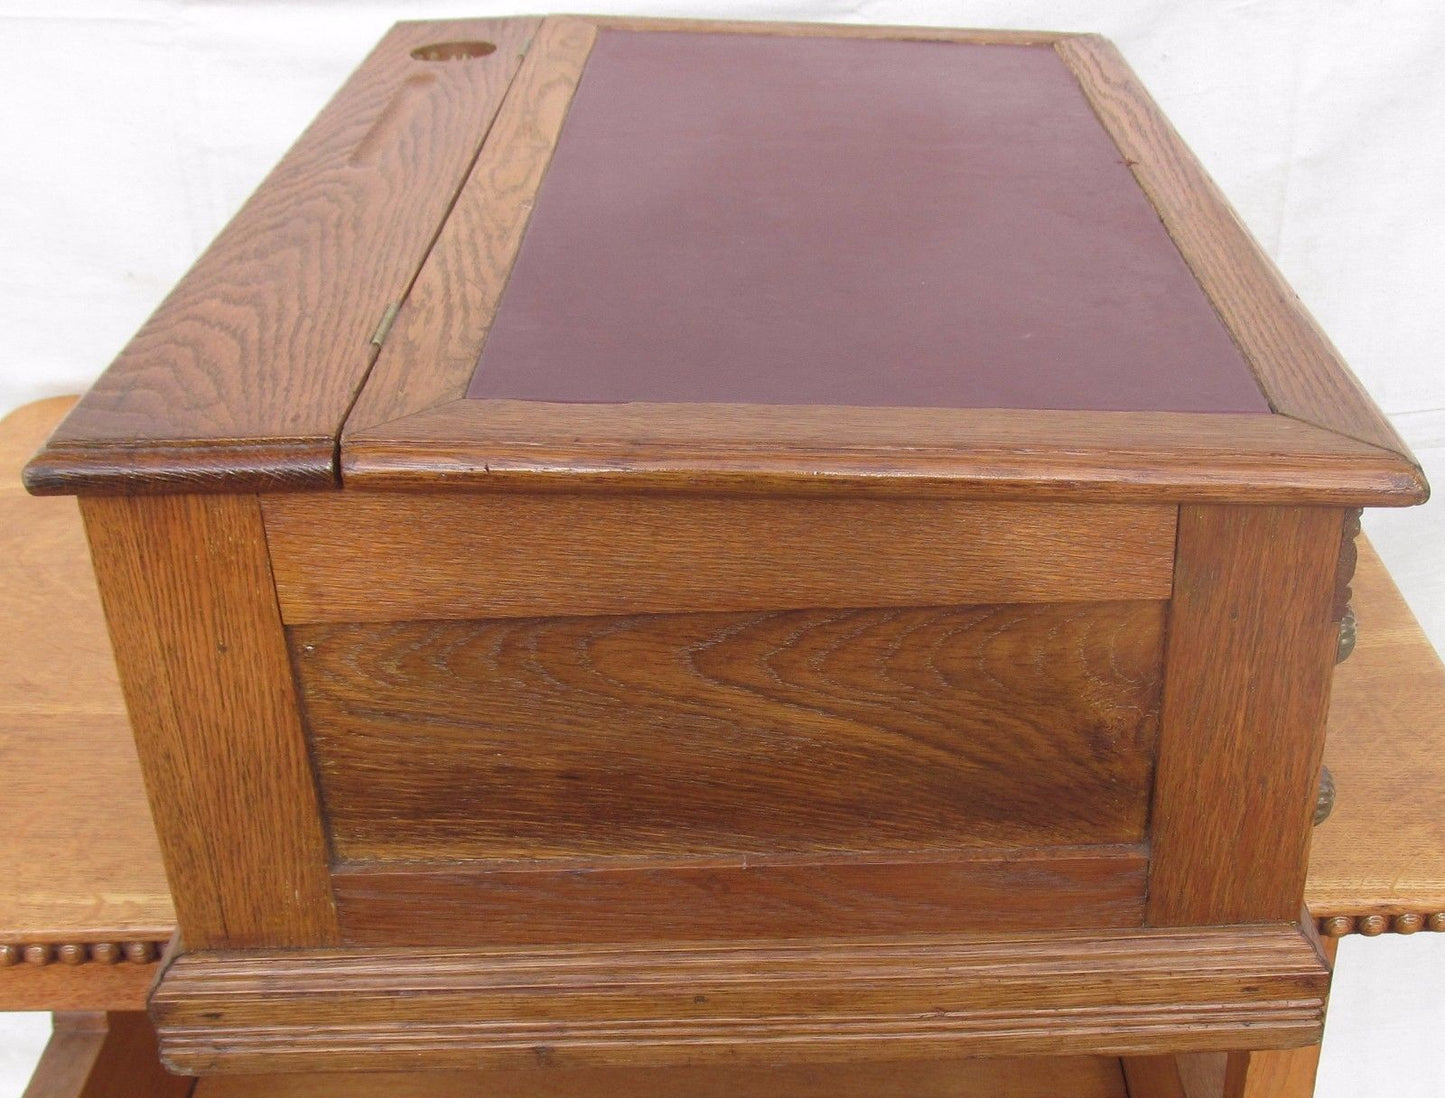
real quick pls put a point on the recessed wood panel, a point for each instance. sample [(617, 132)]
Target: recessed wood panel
[(820, 730), (382, 556)]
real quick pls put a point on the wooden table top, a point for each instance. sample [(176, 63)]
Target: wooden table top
[(1378, 861), (85, 868), (83, 880)]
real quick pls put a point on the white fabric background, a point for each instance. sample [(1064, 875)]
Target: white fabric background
[(134, 128)]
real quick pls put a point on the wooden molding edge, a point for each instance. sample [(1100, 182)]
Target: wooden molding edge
[(1299, 370), (1375, 923), (1109, 992), (113, 973), (38, 954), (1400, 465), (483, 445), (170, 466)]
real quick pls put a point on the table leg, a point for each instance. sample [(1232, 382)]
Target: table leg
[(104, 1055)]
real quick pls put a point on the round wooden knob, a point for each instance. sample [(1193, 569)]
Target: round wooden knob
[(106, 953), (1373, 925), (1337, 926), (71, 954), (139, 953)]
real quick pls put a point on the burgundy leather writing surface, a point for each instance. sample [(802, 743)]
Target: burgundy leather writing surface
[(776, 220)]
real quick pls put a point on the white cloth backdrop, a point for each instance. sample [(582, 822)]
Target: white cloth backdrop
[(132, 130)]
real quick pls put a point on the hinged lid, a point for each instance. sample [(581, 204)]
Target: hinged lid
[(783, 259)]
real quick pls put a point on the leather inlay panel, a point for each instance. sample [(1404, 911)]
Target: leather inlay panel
[(781, 220)]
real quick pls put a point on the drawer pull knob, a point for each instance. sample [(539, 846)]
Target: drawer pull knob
[(1325, 797), (1349, 631)]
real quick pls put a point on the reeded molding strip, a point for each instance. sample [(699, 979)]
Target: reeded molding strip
[(1116, 992)]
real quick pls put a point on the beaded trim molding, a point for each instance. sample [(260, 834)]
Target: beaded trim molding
[(1337, 926), (39, 954)]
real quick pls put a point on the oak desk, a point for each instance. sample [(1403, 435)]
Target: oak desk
[(680, 544), (86, 871)]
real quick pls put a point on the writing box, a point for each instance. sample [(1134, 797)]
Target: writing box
[(666, 542)]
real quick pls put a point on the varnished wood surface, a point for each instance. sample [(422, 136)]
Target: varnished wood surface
[(455, 557), (1037, 1077), (1153, 1077), (1381, 852), (243, 376), (1298, 368), (431, 349), (1247, 678), (907, 729), (410, 430), (1362, 862), (1267, 1073), (617, 900), (187, 590), (82, 865), (1108, 457), (94, 1055), (1111, 992)]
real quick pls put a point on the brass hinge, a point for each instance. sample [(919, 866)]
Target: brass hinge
[(383, 329)]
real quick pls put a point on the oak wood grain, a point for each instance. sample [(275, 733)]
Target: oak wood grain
[(1299, 370), (1247, 674), (1110, 992), (55, 986), (188, 596), (1382, 850), (411, 429), (1276, 1073), (83, 861), (1268, 1073), (754, 897), (899, 729), (1037, 1077), (1361, 861), (370, 556), (94, 1055), (446, 314), (1154, 1077), (82, 864), (479, 445), (243, 376)]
